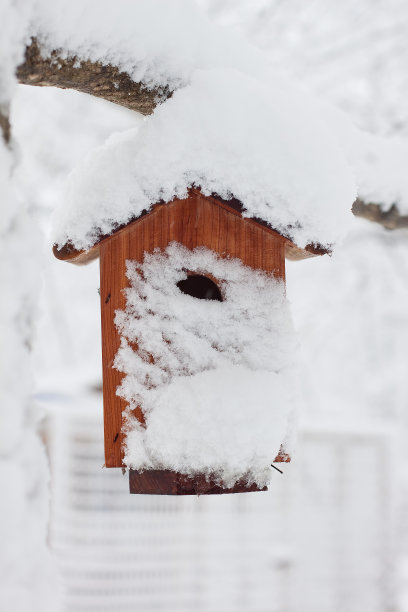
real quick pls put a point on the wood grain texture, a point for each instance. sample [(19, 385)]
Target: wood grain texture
[(295, 253), (69, 253), (72, 255), (195, 221), (165, 482)]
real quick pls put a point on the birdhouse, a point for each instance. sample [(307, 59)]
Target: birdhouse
[(180, 289)]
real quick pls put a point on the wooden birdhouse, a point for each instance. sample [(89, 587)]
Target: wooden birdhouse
[(198, 221)]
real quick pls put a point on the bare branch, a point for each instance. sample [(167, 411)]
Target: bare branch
[(88, 77), (390, 219), (5, 126)]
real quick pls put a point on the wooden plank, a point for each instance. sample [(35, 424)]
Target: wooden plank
[(68, 253), (113, 279), (195, 221), (165, 482)]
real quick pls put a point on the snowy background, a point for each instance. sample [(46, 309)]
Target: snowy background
[(331, 534)]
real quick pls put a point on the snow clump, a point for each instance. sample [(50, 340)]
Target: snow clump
[(214, 379), (227, 133)]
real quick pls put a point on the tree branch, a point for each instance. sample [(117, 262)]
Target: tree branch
[(5, 128), (109, 83), (88, 77), (390, 219)]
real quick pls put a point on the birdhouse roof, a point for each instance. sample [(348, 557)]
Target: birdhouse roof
[(226, 133), (68, 251)]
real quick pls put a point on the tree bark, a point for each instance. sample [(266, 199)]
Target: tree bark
[(93, 78), (390, 219), (5, 126)]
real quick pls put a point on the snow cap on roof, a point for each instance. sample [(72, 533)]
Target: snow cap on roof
[(229, 133)]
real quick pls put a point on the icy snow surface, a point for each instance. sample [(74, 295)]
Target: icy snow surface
[(214, 379)]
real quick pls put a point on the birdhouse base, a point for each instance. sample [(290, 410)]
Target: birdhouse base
[(166, 482)]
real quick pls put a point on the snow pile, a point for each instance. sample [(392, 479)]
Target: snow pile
[(214, 379), (156, 42), (379, 164), (13, 18), (28, 580), (381, 169), (233, 128), (228, 133), (28, 576)]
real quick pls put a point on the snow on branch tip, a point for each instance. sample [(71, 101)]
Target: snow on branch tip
[(301, 174)]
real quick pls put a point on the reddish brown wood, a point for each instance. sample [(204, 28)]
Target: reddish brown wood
[(68, 252), (196, 221), (282, 457), (295, 253), (111, 285), (165, 482)]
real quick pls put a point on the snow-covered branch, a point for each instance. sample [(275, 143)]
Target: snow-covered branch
[(146, 65), (390, 219), (94, 78)]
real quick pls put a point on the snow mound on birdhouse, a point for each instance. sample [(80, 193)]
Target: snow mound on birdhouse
[(214, 379), (260, 141), (232, 127)]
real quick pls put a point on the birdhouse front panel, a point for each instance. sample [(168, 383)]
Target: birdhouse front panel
[(177, 282)]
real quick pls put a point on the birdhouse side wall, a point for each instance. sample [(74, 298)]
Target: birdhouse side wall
[(195, 221)]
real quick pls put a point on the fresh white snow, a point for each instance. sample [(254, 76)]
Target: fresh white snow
[(378, 163), (157, 42), (28, 579), (228, 133), (214, 379), (355, 341), (234, 127)]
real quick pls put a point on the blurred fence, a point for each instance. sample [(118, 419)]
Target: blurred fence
[(319, 540)]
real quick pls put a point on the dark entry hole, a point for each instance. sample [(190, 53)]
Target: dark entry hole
[(200, 287)]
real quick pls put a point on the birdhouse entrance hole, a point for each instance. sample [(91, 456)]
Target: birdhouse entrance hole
[(201, 287)]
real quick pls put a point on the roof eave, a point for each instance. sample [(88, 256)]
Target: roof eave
[(76, 256), (292, 252)]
